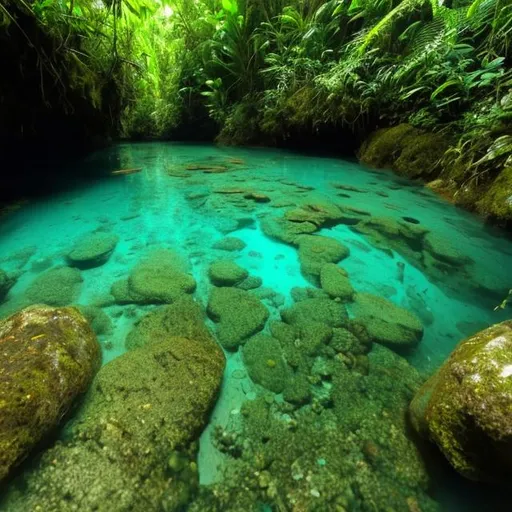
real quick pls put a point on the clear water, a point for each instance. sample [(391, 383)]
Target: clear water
[(150, 209)]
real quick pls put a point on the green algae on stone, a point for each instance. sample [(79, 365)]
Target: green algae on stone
[(97, 318), (49, 356), (250, 283), (184, 318), (466, 406), (160, 277), (230, 243), (318, 213), (444, 250), (6, 283), (387, 323), (59, 286), (335, 281), (238, 315), (329, 312), (497, 200), (134, 443), (315, 251), (226, 273), (263, 359), (92, 250), (283, 230)]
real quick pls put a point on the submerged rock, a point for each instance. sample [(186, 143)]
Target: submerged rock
[(326, 311), (226, 273), (59, 286), (335, 282), (6, 283), (133, 445), (97, 318), (161, 277), (283, 230), (319, 213), (230, 244), (92, 250), (387, 323), (263, 359), (443, 250), (49, 356), (466, 407), (238, 315)]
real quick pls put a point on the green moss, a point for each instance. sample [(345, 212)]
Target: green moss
[(497, 200), (283, 230), (97, 318), (334, 280), (326, 311), (226, 273), (465, 407), (49, 356), (92, 250), (59, 286), (230, 243), (6, 283), (238, 315), (319, 213)]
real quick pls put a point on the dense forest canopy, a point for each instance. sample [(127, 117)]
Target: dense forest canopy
[(260, 71)]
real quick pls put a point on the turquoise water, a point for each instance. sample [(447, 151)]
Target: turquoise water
[(190, 211)]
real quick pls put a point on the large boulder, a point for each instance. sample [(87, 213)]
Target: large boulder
[(226, 273), (387, 323), (59, 286), (466, 407), (133, 445), (335, 282), (6, 283), (92, 250), (161, 277), (238, 314), (49, 356)]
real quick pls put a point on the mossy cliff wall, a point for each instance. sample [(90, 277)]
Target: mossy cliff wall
[(419, 154)]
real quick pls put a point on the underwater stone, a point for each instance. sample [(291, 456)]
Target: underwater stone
[(250, 283), (263, 359), (6, 283), (315, 251), (387, 323), (184, 318), (297, 389), (97, 318), (320, 213), (325, 311), (226, 273), (59, 286), (238, 315), (161, 277), (49, 356), (230, 244), (465, 407), (278, 228), (134, 443), (443, 250), (299, 293), (335, 282), (92, 250)]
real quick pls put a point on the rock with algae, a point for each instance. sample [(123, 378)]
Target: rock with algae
[(49, 356), (92, 250), (335, 281), (97, 318), (387, 323), (133, 444), (59, 286), (160, 277), (466, 406), (326, 311), (6, 283), (238, 315), (230, 243), (226, 273)]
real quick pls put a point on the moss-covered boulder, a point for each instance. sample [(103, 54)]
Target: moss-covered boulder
[(184, 318), (238, 314), (387, 323), (284, 230), (92, 250), (497, 200), (59, 286), (326, 311), (442, 249), (49, 356), (230, 243), (133, 445), (6, 283), (97, 318), (315, 251), (318, 213), (335, 282), (466, 407), (263, 358), (226, 273), (161, 277)]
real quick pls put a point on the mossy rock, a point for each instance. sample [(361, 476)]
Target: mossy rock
[(443, 250), (92, 250), (297, 389), (134, 443), (59, 286), (300, 293), (263, 359), (466, 406), (336, 283), (238, 314), (97, 318), (161, 277), (387, 323), (319, 213), (326, 311), (315, 251), (185, 318), (6, 283), (250, 283), (283, 230), (497, 200), (230, 243), (49, 356), (226, 273)]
